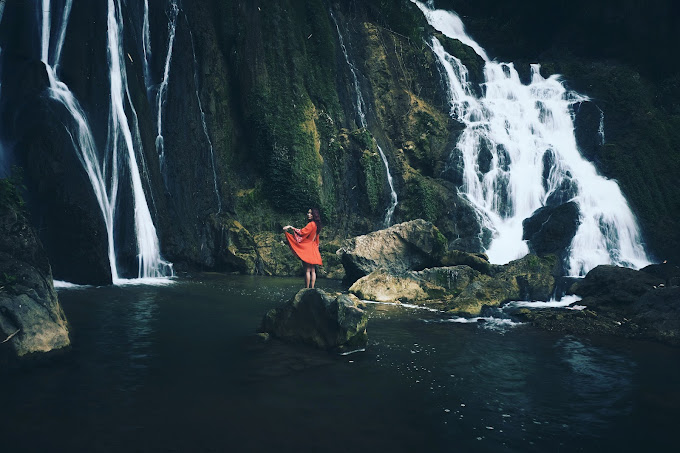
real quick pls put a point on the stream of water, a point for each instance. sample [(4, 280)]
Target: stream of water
[(178, 368)]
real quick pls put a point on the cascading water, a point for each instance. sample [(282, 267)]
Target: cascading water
[(522, 127), (151, 264), (104, 176), (146, 48), (162, 94), (205, 126), (361, 108)]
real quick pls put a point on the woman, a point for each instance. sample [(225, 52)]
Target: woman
[(305, 244)]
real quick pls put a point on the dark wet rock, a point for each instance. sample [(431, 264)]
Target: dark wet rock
[(313, 317), (587, 117), (31, 319), (412, 245), (551, 229), (477, 261), (619, 301), (614, 287)]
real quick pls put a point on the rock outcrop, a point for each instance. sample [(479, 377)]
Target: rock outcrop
[(413, 245), (622, 302), (313, 317), (462, 289), (31, 319)]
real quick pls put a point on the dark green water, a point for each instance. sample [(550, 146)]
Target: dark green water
[(177, 368)]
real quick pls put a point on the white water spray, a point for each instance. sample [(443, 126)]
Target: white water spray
[(162, 94), (513, 128), (205, 126), (361, 108), (146, 47), (151, 265), (81, 137)]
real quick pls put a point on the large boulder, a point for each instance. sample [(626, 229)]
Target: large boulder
[(31, 319), (462, 289), (334, 323), (413, 245), (428, 286), (551, 229)]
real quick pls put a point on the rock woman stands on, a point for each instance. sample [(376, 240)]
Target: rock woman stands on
[(305, 245)]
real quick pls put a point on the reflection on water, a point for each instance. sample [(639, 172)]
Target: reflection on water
[(598, 377), (178, 368)]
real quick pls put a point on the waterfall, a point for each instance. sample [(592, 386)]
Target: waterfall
[(148, 250), (361, 108), (146, 48), (162, 94), (81, 135), (516, 129), (104, 176), (205, 126)]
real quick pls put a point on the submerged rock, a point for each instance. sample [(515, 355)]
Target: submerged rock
[(31, 319), (313, 317), (413, 245)]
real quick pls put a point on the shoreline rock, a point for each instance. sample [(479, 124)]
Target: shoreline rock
[(313, 317), (620, 302), (31, 320)]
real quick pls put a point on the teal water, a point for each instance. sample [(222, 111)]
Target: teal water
[(178, 368)]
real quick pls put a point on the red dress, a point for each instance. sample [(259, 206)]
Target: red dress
[(305, 243)]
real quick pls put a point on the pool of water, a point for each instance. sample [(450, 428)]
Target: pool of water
[(178, 368)]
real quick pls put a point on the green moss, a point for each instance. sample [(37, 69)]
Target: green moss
[(374, 178), (10, 191), (423, 199)]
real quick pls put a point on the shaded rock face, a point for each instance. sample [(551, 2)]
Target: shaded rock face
[(551, 229), (621, 302), (29, 309), (62, 204), (412, 245), (313, 317)]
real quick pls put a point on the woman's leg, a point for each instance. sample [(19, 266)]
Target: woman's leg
[(313, 269), (307, 274)]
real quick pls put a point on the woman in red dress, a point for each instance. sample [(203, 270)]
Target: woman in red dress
[(305, 244)]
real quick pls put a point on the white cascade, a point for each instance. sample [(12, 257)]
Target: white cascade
[(120, 139), (162, 94), (205, 126), (518, 124), (80, 134), (146, 48), (361, 109)]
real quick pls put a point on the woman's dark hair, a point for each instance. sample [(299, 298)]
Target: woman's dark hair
[(316, 217)]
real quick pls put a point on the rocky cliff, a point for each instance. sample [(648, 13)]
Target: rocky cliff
[(261, 121), (31, 319)]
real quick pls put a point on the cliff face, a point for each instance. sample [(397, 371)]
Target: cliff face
[(31, 319), (261, 121)]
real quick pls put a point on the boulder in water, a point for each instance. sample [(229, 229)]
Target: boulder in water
[(551, 229), (334, 323)]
